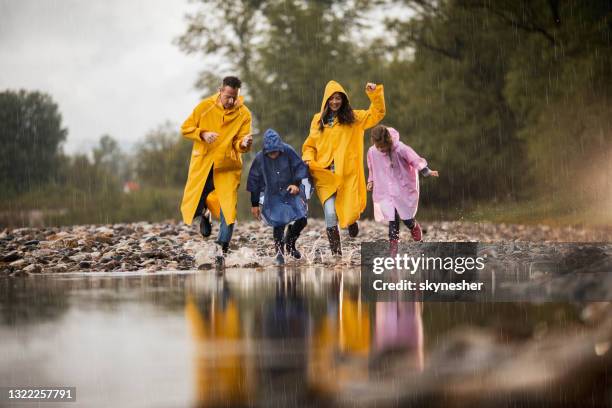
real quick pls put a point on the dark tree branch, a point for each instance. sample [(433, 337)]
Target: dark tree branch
[(529, 26), (453, 54)]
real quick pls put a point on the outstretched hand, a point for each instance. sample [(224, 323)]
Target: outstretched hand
[(370, 87), (247, 141), (433, 173)]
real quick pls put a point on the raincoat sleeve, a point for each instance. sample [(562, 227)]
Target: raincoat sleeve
[(370, 174), (255, 181), (190, 128), (298, 167), (376, 111), (309, 150), (410, 156), (245, 130)]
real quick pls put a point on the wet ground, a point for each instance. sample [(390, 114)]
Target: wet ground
[(154, 247), (299, 337)]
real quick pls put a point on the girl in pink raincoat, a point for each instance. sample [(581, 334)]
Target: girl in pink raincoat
[(394, 179)]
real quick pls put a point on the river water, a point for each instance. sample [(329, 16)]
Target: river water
[(265, 337)]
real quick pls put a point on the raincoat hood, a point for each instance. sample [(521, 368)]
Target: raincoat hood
[(395, 137), (272, 142), (331, 88), (231, 113)]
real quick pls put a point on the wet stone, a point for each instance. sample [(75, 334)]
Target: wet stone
[(34, 268), (11, 256), (20, 263)]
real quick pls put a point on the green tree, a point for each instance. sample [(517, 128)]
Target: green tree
[(31, 135), (109, 157), (450, 104), (162, 159)]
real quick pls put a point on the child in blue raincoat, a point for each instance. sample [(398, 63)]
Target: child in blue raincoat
[(275, 182)]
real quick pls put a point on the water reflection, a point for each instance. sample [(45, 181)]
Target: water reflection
[(271, 337), (310, 346)]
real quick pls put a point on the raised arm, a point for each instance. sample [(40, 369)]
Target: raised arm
[(376, 112)]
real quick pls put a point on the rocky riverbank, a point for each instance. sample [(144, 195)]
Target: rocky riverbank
[(154, 247)]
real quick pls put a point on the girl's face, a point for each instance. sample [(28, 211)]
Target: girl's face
[(335, 102), (383, 148)]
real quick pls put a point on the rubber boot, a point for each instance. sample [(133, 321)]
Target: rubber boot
[(220, 259), (333, 235), (290, 239), (416, 232), (205, 224), (353, 230), (280, 251)]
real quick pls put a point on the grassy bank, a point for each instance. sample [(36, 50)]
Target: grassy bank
[(53, 205)]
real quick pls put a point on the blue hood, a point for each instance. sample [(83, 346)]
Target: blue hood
[(272, 142)]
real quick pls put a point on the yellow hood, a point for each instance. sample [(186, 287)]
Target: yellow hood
[(331, 88), (231, 112)]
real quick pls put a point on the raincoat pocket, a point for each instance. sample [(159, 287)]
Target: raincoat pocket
[(230, 161)]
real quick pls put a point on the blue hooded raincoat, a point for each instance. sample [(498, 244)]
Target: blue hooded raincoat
[(272, 177)]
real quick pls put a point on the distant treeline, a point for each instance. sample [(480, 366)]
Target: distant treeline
[(511, 101), (41, 184)]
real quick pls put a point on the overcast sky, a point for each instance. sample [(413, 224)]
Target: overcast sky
[(109, 65)]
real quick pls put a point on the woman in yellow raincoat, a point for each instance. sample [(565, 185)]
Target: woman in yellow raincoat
[(220, 127), (334, 154)]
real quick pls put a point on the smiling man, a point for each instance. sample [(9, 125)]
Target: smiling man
[(220, 127)]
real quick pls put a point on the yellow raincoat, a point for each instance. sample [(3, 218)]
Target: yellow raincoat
[(225, 154), (342, 145)]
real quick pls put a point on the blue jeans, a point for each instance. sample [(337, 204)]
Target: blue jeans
[(225, 231), (329, 208)]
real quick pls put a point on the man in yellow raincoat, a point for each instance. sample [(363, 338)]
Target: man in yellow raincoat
[(220, 127), (334, 154)]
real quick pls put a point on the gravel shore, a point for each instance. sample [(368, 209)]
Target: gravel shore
[(151, 247)]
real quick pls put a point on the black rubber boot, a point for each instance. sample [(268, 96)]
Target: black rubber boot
[(353, 230), (279, 248), (205, 224), (220, 259), (333, 235), (290, 239)]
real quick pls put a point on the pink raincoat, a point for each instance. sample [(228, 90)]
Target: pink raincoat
[(396, 180)]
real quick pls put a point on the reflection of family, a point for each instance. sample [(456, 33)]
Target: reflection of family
[(332, 157)]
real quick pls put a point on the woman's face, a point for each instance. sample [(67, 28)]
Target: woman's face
[(335, 102)]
